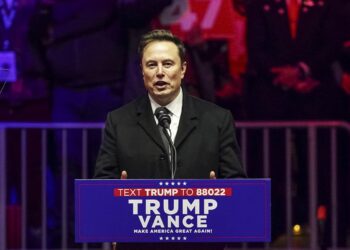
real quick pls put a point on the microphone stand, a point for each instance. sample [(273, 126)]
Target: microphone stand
[(164, 120), (173, 154)]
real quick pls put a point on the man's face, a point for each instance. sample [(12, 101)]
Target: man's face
[(162, 71)]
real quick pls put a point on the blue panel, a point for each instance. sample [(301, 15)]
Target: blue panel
[(173, 211)]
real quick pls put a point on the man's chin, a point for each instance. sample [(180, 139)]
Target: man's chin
[(162, 98), (161, 90), (161, 93)]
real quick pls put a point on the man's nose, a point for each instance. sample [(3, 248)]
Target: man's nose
[(160, 71)]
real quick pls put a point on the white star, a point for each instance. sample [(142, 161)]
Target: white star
[(179, 183), (173, 238), (173, 183), (161, 238), (178, 238), (161, 183), (166, 183), (185, 183), (185, 238), (167, 238)]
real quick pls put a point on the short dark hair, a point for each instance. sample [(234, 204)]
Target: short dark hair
[(161, 35)]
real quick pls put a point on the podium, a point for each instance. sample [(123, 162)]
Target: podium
[(223, 210)]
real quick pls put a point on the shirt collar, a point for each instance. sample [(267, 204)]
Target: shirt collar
[(174, 107)]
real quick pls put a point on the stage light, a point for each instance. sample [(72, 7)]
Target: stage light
[(296, 229)]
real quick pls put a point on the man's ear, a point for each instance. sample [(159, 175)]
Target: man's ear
[(183, 68)]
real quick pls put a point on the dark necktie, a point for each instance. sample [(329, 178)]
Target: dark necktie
[(165, 140), (162, 134), (170, 151)]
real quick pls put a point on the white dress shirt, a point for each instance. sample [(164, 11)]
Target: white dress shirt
[(175, 108)]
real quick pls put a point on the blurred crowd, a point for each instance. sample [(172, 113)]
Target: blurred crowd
[(265, 59), (75, 60)]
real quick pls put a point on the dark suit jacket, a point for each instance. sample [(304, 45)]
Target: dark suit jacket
[(205, 141)]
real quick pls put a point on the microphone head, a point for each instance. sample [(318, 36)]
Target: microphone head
[(163, 116)]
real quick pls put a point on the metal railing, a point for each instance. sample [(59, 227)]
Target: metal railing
[(244, 132), (311, 128)]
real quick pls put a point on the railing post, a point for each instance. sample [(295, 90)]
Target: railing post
[(64, 219), (312, 151), (244, 146), (266, 160), (289, 210), (334, 189), (2, 188), (266, 152), (43, 189), (24, 192)]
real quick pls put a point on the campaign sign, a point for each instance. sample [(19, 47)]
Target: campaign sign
[(224, 210), (213, 19)]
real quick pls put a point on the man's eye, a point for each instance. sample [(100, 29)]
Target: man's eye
[(168, 64), (151, 65)]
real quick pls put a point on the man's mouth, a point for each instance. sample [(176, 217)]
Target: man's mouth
[(160, 84)]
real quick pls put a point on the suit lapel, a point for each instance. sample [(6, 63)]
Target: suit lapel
[(188, 120), (146, 120)]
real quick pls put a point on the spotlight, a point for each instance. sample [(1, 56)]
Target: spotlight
[(296, 230)]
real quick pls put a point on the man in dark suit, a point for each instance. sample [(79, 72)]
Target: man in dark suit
[(291, 47), (203, 133)]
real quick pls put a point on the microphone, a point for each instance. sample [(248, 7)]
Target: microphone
[(164, 120), (163, 117)]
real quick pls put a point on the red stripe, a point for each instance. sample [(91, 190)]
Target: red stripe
[(171, 192)]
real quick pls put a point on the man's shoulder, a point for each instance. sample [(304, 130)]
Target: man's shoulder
[(208, 111), (206, 106)]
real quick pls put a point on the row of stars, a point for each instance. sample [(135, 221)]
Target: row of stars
[(172, 238), (173, 183)]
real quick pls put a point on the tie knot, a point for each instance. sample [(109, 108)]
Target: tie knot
[(166, 110), (162, 110)]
